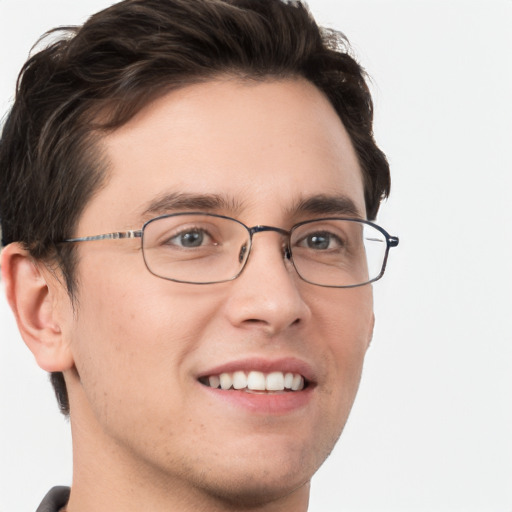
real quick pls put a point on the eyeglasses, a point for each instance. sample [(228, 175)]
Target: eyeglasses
[(204, 248)]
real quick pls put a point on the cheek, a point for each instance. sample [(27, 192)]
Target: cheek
[(342, 325), (346, 318), (133, 331)]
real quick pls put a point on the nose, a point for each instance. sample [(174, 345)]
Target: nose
[(267, 295)]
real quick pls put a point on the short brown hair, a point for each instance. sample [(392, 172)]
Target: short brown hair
[(117, 62)]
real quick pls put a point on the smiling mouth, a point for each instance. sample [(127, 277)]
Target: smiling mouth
[(256, 382)]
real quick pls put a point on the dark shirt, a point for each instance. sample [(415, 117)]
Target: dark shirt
[(54, 500)]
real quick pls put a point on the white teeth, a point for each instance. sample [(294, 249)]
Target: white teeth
[(298, 382), (257, 381), (225, 380), (239, 380), (214, 381), (275, 381)]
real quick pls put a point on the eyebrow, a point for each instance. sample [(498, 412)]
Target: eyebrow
[(182, 201), (327, 205)]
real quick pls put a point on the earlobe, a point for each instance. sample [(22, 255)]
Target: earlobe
[(32, 294)]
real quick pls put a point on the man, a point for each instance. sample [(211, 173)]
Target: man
[(186, 196)]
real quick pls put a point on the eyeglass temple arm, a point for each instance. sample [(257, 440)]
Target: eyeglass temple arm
[(108, 236)]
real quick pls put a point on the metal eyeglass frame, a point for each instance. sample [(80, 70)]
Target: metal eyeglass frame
[(391, 241)]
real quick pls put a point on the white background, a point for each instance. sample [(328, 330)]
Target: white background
[(432, 426)]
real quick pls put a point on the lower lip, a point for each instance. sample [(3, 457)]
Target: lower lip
[(263, 403)]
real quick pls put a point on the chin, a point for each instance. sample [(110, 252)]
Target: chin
[(253, 490), (258, 476)]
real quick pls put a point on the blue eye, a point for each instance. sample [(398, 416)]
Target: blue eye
[(321, 241), (318, 241), (191, 238)]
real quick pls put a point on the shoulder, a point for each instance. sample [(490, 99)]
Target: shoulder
[(56, 498)]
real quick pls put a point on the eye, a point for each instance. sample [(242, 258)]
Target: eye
[(191, 238), (320, 241)]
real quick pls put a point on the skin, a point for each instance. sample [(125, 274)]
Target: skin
[(146, 434)]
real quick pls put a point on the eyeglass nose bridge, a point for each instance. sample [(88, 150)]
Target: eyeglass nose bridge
[(261, 228)]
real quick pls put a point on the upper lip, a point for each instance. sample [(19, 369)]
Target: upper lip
[(265, 365)]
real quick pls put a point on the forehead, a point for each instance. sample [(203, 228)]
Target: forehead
[(258, 147)]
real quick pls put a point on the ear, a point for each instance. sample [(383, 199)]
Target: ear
[(37, 299), (370, 331)]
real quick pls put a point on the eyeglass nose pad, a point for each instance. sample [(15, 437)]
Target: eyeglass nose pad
[(241, 254), (287, 253)]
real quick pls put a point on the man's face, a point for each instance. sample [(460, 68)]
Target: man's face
[(141, 344)]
